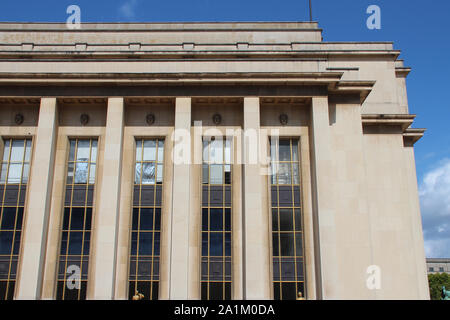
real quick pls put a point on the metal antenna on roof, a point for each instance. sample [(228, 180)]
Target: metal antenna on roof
[(310, 11)]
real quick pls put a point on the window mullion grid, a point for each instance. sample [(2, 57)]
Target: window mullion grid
[(70, 214), (277, 161), (15, 218), (84, 218), (154, 215), (14, 230), (139, 216), (4, 196), (293, 216), (223, 217), (209, 218)]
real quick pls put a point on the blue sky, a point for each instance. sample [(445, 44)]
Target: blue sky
[(418, 28)]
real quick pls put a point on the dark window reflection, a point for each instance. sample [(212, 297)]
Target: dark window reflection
[(287, 232), (77, 220), (146, 220), (14, 172), (216, 219)]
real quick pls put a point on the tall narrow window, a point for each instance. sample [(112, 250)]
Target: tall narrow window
[(77, 220), (216, 220), (15, 167), (146, 222), (287, 227)]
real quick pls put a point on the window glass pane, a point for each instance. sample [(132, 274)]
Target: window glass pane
[(228, 244), (273, 149), (88, 220), (216, 244), (300, 273), (72, 150), (160, 150), (204, 243), (157, 243), (227, 220), (146, 219), (145, 243), (15, 172), (216, 290), (228, 174), (296, 173), (6, 241), (288, 291), (298, 220), (216, 174), (8, 219), (287, 244), (228, 151), (276, 288), (6, 151), (298, 244), (274, 168), (160, 173), (216, 220), (92, 174), (4, 168), (26, 171), (139, 150), (149, 150), (217, 151), (227, 291), (205, 150), (288, 270), (134, 237), (295, 150), (205, 174), (94, 151), (274, 219), (204, 219), (137, 173), (77, 219), (81, 172), (75, 243), (285, 150), (83, 151), (148, 173), (284, 173), (70, 169), (28, 151), (275, 244), (286, 220), (17, 150)]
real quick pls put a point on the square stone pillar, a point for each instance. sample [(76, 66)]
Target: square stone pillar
[(34, 239), (257, 281), (323, 209), (179, 257), (104, 249)]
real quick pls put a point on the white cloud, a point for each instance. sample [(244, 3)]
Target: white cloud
[(128, 9), (435, 206)]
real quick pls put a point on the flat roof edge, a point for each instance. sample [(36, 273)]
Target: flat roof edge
[(99, 26)]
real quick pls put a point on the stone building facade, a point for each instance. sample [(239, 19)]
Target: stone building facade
[(438, 265), (205, 161)]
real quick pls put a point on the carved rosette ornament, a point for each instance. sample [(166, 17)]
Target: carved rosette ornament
[(284, 119), (84, 119), (217, 119), (150, 119), (18, 119)]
